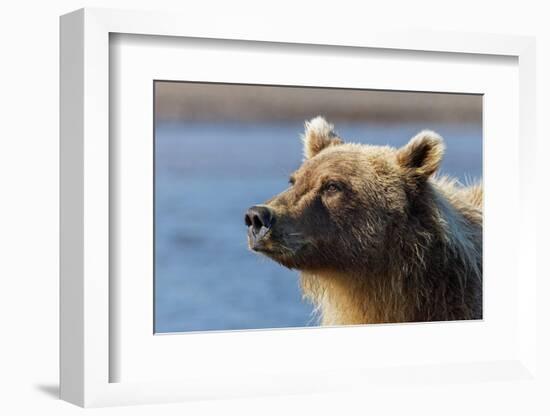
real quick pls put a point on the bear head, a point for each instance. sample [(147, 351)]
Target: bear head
[(348, 205)]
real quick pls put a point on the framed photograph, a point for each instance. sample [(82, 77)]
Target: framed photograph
[(270, 212)]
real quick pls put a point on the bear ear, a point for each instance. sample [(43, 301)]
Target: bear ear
[(318, 135), (423, 154)]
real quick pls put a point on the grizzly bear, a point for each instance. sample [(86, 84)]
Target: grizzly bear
[(376, 236)]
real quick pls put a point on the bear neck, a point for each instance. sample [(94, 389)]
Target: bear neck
[(353, 298), (432, 271)]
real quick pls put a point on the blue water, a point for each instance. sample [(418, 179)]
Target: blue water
[(206, 175)]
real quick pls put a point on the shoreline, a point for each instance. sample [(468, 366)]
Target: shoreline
[(233, 102)]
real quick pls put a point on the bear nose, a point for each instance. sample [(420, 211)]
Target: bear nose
[(257, 217)]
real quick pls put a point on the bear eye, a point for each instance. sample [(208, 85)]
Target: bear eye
[(291, 181), (332, 187)]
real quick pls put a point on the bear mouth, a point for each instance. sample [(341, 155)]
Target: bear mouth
[(270, 248), (285, 252), (259, 240)]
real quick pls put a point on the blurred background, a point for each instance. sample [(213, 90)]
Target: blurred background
[(220, 148)]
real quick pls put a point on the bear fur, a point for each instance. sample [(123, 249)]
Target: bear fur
[(376, 235)]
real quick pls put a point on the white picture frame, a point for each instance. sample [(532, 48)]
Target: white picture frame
[(89, 325)]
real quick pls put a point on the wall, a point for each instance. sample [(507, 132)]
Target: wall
[(29, 189)]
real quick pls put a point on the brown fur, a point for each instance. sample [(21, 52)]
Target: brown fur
[(376, 236)]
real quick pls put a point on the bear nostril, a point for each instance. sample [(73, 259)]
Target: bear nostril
[(247, 220), (258, 223)]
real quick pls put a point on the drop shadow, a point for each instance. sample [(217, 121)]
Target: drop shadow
[(51, 390)]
